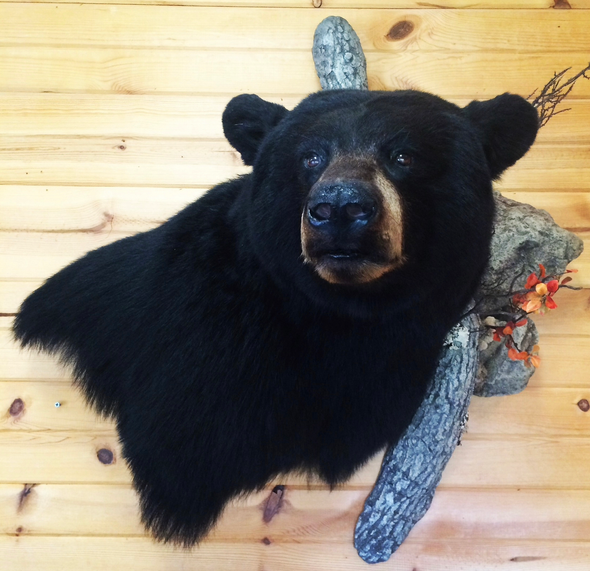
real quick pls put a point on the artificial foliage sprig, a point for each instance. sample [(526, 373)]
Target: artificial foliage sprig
[(535, 298)]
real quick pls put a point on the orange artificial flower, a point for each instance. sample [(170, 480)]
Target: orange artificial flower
[(531, 282), (541, 298), (542, 270), (541, 289), (534, 361), (549, 303), (538, 299)]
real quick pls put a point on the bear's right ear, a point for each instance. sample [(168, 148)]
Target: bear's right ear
[(246, 121)]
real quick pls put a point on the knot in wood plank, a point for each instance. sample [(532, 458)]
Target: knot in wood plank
[(17, 407), (400, 30), (105, 456)]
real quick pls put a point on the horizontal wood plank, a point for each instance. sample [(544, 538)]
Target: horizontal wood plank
[(527, 461), (12, 293), (145, 162), (572, 316), (329, 5), (122, 554), (60, 457), (121, 116), (35, 257), (482, 461), (30, 255), (71, 209), (536, 411), (121, 161), (37, 410), (284, 28), (26, 364), (76, 209), (306, 517), (564, 362), (571, 210), (176, 71)]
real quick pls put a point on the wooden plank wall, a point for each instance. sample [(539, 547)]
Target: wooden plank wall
[(110, 122)]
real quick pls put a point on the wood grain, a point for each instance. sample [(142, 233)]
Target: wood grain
[(124, 161), (122, 116), (185, 71), (329, 5), (40, 413), (564, 361), (122, 554), (574, 317), (59, 457), (306, 517), (71, 209), (277, 29), (482, 461), (37, 255), (536, 411)]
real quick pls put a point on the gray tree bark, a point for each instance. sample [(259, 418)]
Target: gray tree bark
[(338, 55), (524, 237), (412, 470)]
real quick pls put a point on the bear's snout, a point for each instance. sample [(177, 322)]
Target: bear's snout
[(341, 209), (351, 224)]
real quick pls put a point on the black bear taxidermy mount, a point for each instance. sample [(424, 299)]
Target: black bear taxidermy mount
[(284, 321)]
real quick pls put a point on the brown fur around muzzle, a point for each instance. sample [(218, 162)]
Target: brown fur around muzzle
[(352, 223)]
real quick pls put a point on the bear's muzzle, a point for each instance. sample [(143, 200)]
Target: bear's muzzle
[(351, 225)]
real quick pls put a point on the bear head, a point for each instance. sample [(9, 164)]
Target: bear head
[(386, 193)]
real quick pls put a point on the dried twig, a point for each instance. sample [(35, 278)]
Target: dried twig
[(554, 92)]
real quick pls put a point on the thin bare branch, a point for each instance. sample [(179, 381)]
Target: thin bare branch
[(554, 92)]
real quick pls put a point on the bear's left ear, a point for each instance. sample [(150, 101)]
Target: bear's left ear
[(508, 125), (246, 121)]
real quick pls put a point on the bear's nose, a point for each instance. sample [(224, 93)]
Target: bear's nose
[(340, 207)]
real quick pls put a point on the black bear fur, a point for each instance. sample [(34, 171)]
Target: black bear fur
[(224, 358)]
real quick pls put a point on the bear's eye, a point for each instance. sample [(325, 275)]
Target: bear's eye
[(402, 159), (312, 161)]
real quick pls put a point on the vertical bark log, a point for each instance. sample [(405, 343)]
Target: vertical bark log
[(338, 55), (412, 470)]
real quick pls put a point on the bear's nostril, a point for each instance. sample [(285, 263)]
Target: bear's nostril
[(322, 211), (357, 211)]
